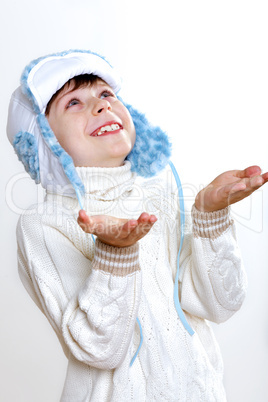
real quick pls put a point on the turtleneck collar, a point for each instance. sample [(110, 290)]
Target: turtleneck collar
[(103, 186), (106, 184)]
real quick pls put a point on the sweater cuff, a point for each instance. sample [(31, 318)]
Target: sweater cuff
[(210, 224), (118, 261)]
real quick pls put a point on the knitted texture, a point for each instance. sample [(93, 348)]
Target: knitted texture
[(93, 309), (117, 261), (210, 224)]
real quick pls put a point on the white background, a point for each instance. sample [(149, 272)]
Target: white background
[(199, 70)]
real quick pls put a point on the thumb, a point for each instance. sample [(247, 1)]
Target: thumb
[(83, 217)]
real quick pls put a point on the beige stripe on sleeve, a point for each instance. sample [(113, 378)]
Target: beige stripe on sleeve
[(210, 224), (118, 261)]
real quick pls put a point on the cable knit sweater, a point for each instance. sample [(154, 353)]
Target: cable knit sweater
[(92, 294)]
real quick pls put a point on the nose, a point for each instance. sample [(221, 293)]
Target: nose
[(100, 106)]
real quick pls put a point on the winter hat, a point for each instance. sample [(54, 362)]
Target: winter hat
[(35, 143)]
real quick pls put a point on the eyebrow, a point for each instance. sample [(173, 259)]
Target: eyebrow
[(68, 91), (65, 93)]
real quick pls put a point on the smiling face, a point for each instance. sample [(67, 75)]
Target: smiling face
[(92, 125)]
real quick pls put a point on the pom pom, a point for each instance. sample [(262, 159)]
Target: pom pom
[(25, 146)]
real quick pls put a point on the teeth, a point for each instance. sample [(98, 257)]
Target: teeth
[(115, 126), (106, 129)]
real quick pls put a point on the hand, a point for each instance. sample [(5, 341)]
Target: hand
[(230, 187), (115, 231)]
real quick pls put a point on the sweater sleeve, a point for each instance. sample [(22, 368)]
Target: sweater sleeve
[(93, 314), (212, 280)]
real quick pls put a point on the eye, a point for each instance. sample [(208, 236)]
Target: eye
[(106, 94), (72, 102)]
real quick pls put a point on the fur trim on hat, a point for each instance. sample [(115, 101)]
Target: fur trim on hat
[(152, 148), (64, 158), (25, 146)]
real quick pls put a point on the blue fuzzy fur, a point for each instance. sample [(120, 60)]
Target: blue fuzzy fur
[(24, 77), (25, 146), (64, 158), (152, 148)]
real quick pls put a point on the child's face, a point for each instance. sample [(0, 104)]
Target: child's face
[(80, 120)]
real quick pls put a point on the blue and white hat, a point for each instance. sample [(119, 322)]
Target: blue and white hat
[(35, 143)]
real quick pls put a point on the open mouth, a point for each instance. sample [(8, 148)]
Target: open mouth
[(109, 128)]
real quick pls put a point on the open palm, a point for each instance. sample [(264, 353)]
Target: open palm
[(116, 231), (230, 187)]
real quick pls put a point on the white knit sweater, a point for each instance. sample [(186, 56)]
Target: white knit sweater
[(92, 295)]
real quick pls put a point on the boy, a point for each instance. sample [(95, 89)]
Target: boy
[(77, 138)]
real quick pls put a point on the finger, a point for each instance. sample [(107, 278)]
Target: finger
[(144, 227), (129, 226), (136, 229), (256, 182), (152, 219), (250, 171), (87, 227), (143, 218), (145, 222), (247, 185), (243, 189), (83, 217), (265, 176), (240, 186), (85, 222)]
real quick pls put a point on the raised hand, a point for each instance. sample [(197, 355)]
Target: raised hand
[(230, 187), (115, 231)]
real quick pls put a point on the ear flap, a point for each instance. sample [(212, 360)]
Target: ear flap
[(25, 146), (152, 148), (63, 159)]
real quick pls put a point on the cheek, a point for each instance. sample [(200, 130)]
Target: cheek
[(130, 126), (59, 132), (51, 122), (55, 126), (133, 135)]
